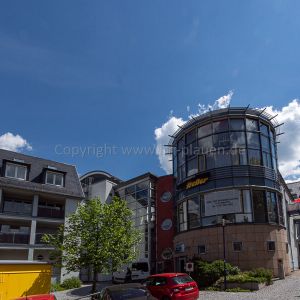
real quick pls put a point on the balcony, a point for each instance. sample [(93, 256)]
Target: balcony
[(14, 238), (50, 212), (17, 208)]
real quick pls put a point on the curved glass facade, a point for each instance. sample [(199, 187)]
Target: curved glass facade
[(226, 166)]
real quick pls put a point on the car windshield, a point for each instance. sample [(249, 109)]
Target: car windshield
[(182, 279), (129, 293)]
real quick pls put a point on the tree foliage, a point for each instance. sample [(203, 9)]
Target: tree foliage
[(97, 235)]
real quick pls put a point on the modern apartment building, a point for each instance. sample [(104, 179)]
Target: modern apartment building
[(36, 197)]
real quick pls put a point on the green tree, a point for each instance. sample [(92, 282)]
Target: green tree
[(97, 235)]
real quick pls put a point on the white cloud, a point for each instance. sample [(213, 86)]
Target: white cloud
[(168, 128), (9, 141), (288, 148)]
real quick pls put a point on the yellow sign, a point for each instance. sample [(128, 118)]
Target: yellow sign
[(196, 182)]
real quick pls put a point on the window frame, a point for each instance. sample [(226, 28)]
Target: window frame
[(237, 243), (271, 243), (16, 165), (54, 178)]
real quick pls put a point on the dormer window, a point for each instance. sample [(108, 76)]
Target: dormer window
[(17, 171), (54, 178)]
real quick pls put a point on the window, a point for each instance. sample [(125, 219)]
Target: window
[(205, 144), (254, 157), (272, 207), (182, 216), (253, 140), (16, 171), (202, 166), (280, 210), (251, 124), (222, 159), (239, 156), (271, 245), (264, 129), (221, 140), (201, 249), (247, 201), (237, 246), (55, 178), (204, 130), (194, 212), (265, 143), (237, 139), (220, 126), (267, 161), (237, 124), (259, 207), (192, 167), (191, 136)]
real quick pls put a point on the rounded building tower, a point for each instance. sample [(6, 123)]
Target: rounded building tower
[(225, 164)]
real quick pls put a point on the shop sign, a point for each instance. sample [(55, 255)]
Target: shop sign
[(221, 203), (167, 254), (197, 181), (166, 224)]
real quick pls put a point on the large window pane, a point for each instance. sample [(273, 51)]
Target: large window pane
[(251, 124), (221, 140), (259, 207), (253, 140), (247, 201), (204, 130), (181, 158), (220, 126), (202, 164), (265, 143), (254, 157), (21, 172), (191, 136), (210, 161), (205, 144), (182, 216), (267, 162), (192, 167), (191, 150), (222, 159), (237, 139), (10, 170), (194, 212), (239, 156), (272, 207), (237, 124), (264, 129)]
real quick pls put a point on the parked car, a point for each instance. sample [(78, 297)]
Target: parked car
[(38, 297), (126, 291), (135, 271), (172, 286)]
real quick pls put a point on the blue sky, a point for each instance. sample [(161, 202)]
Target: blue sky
[(94, 73)]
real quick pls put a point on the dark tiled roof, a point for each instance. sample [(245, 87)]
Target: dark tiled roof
[(72, 187)]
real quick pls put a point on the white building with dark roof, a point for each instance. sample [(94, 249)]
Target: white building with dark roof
[(36, 196)]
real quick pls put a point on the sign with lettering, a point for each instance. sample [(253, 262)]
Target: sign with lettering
[(197, 181), (222, 203)]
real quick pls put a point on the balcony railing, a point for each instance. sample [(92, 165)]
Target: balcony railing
[(14, 238), (24, 209), (49, 212)]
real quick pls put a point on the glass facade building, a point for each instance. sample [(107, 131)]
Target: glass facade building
[(225, 165)]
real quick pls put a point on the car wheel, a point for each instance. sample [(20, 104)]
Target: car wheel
[(165, 298)]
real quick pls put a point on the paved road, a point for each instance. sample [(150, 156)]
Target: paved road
[(287, 289)]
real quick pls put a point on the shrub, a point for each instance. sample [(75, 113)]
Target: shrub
[(56, 287), (71, 283), (206, 273), (262, 273)]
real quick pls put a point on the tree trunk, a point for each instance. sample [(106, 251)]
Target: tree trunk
[(94, 286)]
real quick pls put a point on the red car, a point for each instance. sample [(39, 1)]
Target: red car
[(38, 297), (172, 286)]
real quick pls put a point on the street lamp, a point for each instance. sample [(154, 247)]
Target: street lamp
[(224, 253)]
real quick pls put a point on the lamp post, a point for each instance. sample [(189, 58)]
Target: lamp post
[(224, 253)]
